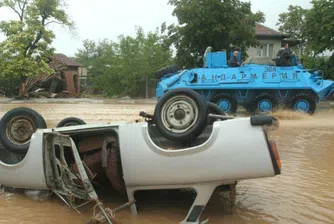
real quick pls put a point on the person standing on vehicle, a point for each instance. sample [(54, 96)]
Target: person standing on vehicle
[(234, 62), (208, 49), (284, 55)]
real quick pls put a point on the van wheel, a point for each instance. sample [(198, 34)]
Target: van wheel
[(70, 121), (181, 114), (17, 127)]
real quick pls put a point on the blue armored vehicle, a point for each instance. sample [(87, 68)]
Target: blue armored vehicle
[(258, 86)]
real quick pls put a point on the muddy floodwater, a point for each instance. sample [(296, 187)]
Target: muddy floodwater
[(303, 193)]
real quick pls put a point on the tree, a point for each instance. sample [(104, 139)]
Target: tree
[(27, 47), (319, 26), (319, 34), (214, 23), (124, 67), (293, 22), (97, 56)]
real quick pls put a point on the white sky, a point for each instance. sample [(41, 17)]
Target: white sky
[(99, 19)]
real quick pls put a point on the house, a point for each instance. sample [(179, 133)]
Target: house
[(70, 73), (270, 41)]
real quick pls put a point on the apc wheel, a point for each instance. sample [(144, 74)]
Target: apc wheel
[(264, 102), (226, 102), (214, 109), (70, 121), (303, 102), (181, 114), (17, 127)]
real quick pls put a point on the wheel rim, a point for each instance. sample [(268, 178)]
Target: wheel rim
[(225, 104), (20, 129), (179, 114), (302, 105), (265, 105)]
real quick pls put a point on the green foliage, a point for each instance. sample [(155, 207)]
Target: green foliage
[(315, 28), (319, 26), (292, 22), (212, 23), (319, 63), (9, 86), (325, 64), (97, 57), (330, 67), (120, 68), (27, 46)]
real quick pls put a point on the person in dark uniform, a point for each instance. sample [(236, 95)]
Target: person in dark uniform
[(284, 55), (234, 60)]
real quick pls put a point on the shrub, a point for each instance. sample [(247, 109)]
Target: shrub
[(325, 64), (9, 87)]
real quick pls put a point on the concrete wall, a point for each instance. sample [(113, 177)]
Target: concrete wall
[(276, 46)]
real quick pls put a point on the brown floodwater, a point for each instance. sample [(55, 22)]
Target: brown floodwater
[(303, 193)]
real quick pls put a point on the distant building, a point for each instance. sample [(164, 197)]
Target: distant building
[(83, 76), (270, 41), (71, 73)]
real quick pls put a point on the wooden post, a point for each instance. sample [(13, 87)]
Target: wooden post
[(233, 194)]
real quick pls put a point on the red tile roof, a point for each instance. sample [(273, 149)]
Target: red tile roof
[(66, 60), (262, 30)]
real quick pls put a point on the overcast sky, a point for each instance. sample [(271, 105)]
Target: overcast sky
[(101, 19)]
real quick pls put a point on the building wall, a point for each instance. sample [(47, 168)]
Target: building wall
[(256, 51), (73, 84)]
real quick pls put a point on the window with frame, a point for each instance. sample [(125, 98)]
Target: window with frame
[(265, 50)]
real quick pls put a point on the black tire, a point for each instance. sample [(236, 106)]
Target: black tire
[(30, 121), (167, 70), (166, 125), (230, 98), (214, 109), (253, 107), (70, 121), (249, 107), (307, 98)]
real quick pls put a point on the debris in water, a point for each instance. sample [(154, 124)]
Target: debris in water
[(100, 218), (205, 221)]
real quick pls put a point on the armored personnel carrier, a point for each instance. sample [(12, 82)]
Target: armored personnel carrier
[(257, 86)]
